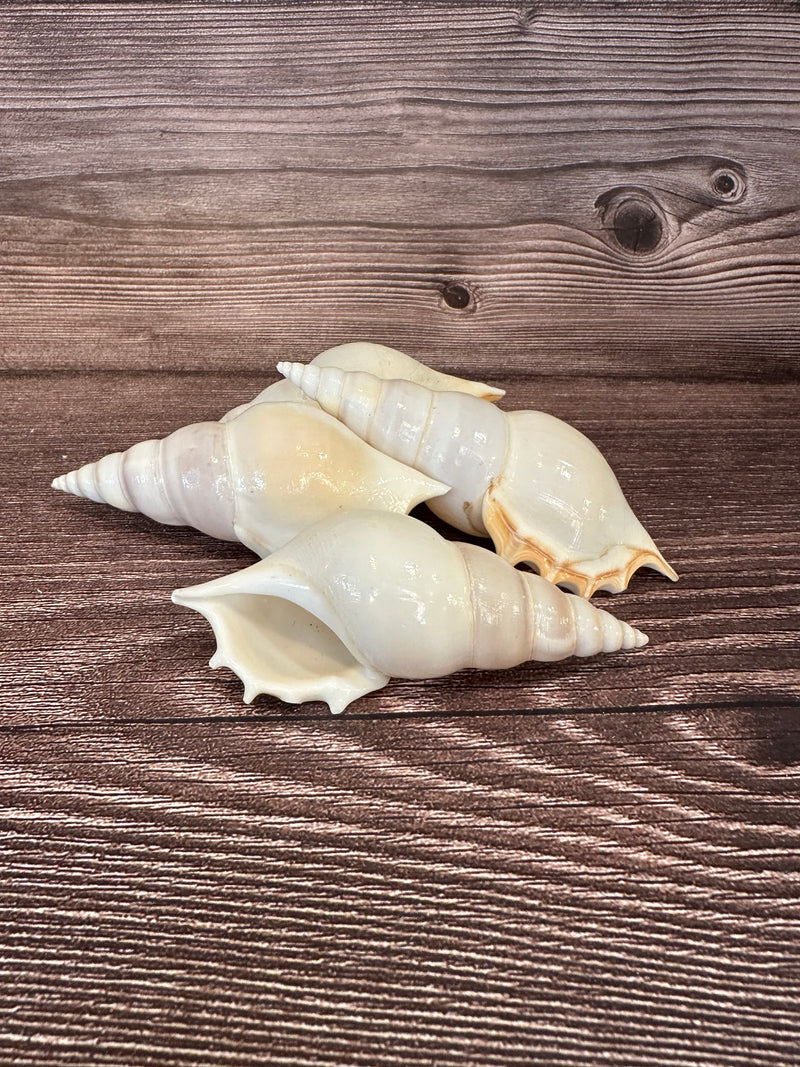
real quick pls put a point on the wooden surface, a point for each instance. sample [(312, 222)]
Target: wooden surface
[(575, 863)]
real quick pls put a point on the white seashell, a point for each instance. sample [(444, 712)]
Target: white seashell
[(367, 596), (259, 478), (536, 485), (379, 360)]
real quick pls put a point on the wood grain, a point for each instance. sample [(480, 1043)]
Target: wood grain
[(494, 890), (253, 184), (594, 206)]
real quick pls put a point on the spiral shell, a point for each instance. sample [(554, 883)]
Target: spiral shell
[(363, 597), (259, 478), (379, 360), (534, 484)]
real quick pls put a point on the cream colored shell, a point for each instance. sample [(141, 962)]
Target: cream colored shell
[(363, 597), (258, 478), (536, 485), (381, 361)]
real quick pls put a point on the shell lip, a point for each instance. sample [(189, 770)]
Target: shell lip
[(213, 600), (584, 577)]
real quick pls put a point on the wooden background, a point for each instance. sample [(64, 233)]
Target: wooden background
[(596, 207)]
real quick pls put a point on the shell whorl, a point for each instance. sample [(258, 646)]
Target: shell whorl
[(101, 481), (459, 439), (380, 360), (519, 616), (179, 480)]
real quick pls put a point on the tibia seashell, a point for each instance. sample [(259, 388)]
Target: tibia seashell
[(367, 596), (381, 361), (536, 485), (258, 479)]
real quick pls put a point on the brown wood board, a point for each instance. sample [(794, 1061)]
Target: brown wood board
[(594, 207)]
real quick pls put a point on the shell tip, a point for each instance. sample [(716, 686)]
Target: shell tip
[(492, 394), (640, 638), (653, 559), (68, 483), (293, 372)]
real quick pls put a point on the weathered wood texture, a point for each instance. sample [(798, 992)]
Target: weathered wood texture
[(190, 183), (571, 863)]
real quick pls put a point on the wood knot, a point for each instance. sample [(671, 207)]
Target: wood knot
[(457, 296), (728, 184), (634, 219), (526, 15)]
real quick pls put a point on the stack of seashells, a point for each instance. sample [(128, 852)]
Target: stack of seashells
[(317, 475)]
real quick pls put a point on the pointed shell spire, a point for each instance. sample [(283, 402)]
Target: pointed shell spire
[(383, 362), (536, 485), (180, 480)]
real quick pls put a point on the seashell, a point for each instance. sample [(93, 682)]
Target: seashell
[(259, 478), (534, 484), (379, 360), (367, 596)]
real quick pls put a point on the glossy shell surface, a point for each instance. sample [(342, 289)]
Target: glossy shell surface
[(363, 597), (259, 478), (537, 486)]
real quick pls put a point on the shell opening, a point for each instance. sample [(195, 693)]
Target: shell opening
[(280, 647), (610, 571)]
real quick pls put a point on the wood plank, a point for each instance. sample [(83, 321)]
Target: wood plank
[(485, 890), (239, 182)]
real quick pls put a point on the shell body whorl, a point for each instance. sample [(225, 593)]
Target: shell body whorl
[(259, 478), (363, 597), (558, 506), (536, 485)]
